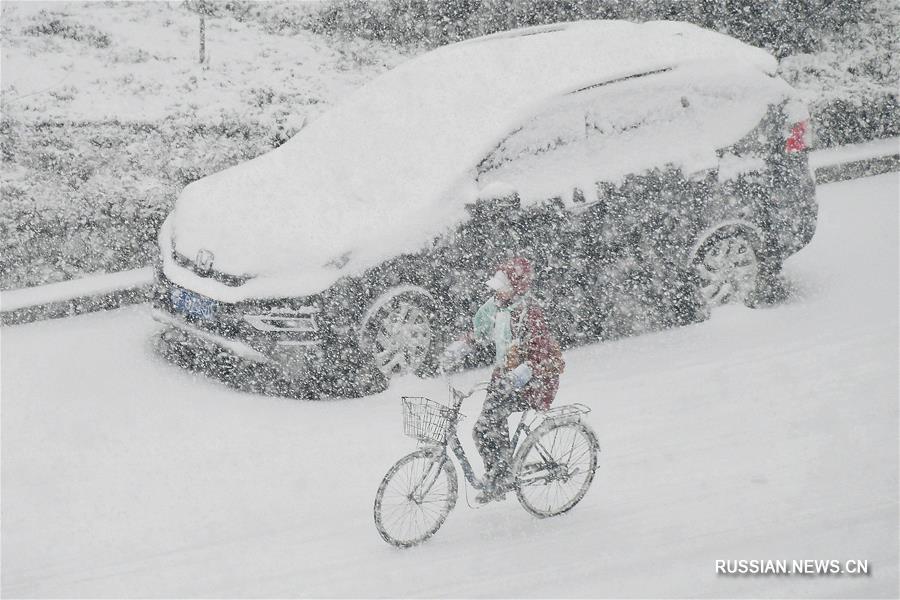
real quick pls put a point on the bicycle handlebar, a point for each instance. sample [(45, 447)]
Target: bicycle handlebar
[(459, 395)]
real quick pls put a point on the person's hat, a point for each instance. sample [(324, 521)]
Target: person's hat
[(514, 275), (499, 282)]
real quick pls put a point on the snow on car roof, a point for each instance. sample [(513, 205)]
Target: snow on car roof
[(393, 165)]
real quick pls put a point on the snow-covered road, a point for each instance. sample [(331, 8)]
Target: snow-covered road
[(760, 434)]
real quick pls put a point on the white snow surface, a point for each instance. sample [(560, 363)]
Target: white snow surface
[(393, 165), (150, 71), (759, 434)]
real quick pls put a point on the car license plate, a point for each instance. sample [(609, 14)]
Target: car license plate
[(192, 305)]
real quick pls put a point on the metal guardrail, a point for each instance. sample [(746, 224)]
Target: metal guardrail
[(132, 287), (856, 160), (858, 168), (67, 298)]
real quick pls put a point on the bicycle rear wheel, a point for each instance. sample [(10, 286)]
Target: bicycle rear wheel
[(415, 497), (555, 467)]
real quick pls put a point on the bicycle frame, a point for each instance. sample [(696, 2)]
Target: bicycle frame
[(523, 430), (452, 440)]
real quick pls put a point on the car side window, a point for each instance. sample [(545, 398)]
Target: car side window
[(547, 131), (671, 118)]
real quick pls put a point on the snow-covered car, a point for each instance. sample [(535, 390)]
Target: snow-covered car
[(658, 169)]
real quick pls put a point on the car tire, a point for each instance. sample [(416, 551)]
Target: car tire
[(728, 266), (356, 380), (399, 332)]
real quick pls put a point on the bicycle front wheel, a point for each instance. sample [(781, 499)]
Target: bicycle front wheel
[(415, 497), (555, 467)]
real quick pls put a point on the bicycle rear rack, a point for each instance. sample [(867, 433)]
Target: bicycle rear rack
[(566, 412)]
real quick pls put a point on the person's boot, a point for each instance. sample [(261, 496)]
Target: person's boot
[(489, 494), (494, 489)]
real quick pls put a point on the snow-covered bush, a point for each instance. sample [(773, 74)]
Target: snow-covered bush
[(852, 83), (784, 27), (89, 197), (285, 18), (402, 22), (61, 27), (843, 52)]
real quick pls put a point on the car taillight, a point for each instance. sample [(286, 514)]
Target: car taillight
[(797, 140)]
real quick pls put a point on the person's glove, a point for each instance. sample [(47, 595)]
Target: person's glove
[(454, 354), (514, 356), (520, 376)]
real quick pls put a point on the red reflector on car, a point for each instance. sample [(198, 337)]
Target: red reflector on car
[(797, 140)]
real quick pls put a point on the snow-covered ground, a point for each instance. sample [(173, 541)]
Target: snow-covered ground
[(760, 434), (76, 61)]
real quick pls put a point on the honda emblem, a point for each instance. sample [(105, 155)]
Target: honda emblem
[(204, 260)]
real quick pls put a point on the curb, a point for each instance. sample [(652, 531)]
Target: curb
[(857, 169), (76, 306), (856, 160), (77, 296)]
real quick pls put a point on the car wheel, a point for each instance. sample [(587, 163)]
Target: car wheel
[(728, 267), (398, 332)]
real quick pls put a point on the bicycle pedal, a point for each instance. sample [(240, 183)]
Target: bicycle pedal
[(482, 498)]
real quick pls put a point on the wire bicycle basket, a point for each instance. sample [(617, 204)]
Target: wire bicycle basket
[(426, 420)]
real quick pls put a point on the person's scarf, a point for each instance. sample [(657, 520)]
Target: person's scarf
[(493, 323)]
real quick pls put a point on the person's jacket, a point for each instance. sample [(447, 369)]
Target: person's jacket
[(531, 341)]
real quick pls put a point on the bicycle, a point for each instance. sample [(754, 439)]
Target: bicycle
[(552, 468)]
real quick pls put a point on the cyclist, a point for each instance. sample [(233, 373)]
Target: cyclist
[(527, 366)]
